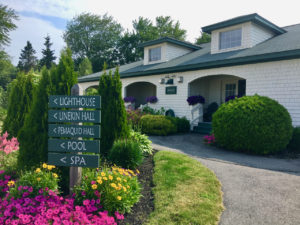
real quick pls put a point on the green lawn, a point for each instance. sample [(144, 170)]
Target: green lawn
[(185, 191)]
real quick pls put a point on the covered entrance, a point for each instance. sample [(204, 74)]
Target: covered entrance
[(140, 91), (216, 90)]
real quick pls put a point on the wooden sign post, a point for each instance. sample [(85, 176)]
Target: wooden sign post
[(68, 152)]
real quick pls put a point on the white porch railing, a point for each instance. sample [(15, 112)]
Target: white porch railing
[(196, 114)]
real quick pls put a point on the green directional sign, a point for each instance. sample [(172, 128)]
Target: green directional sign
[(62, 130), (91, 116), (62, 101), (71, 145), (91, 161)]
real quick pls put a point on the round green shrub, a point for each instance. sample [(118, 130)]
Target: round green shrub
[(294, 144), (254, 124), (126, 153), (157, 125)]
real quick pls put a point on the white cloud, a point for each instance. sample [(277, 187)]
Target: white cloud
[(33, 30), (192, 14)]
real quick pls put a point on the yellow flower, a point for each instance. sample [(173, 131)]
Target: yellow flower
[(99, 178), (113, 185), (103, 174), (115, 173), (119, 198), (119, 179), (125, 189), (110, 177), (44, 165), (10, 183), (128, 187), (38, 170), (38, 179), (54, 175), (94, 186), (104, 178), (99, 181), (125, 180), (120, 185), (137, 171), (118, 188), (50, 167)]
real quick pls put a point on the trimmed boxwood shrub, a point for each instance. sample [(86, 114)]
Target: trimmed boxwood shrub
[(182, 124), (157, 125), (253, 124), (294, 144), (126, 153)]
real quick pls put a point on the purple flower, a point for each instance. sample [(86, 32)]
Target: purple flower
[(193, 100), (129, 99), (151, 99)]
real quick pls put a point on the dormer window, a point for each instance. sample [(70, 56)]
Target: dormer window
[(230, 39), (154, 54)]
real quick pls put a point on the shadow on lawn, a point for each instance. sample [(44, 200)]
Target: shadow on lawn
[(192, 144)]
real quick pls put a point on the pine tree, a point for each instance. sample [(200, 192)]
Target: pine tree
[(34, 135), (113, 113), (27, 59), (85, 67), (20, 101), (48, 54)]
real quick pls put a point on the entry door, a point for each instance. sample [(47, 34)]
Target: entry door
[(230, 87)]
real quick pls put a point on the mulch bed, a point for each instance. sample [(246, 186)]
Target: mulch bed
[(141, 210)]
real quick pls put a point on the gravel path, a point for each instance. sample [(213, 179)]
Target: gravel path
[(257, 190)]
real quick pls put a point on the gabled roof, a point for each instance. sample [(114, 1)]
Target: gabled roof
[(255, 18), (172, 41), (280, 47)]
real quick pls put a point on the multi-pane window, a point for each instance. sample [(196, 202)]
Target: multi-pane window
[(154, 54), (230, 39), (230, 90)]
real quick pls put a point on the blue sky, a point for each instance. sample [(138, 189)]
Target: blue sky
[(41, 17)]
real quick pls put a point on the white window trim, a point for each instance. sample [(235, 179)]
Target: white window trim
[(233, 81), (226, 48), (156, 60)]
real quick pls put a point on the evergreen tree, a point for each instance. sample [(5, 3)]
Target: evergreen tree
[(27, 59), (204, 38), (48, 54), (113, 113), (20, 101), (65, 76), (33, 136), (85, 67)]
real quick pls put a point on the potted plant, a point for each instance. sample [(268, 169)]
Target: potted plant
[(196, 106), (151, 100), (129, 102), (195, 99)]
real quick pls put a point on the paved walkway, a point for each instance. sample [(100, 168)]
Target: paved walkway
[(257, 190)]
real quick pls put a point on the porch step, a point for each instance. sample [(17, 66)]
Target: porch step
[(203, 128)]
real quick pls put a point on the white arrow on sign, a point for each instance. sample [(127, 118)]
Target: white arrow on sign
[(55, 100), (54, 130), (55, 115), (64, 159), (63, 145)]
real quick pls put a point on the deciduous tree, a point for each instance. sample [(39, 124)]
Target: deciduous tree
[(95, 37)]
